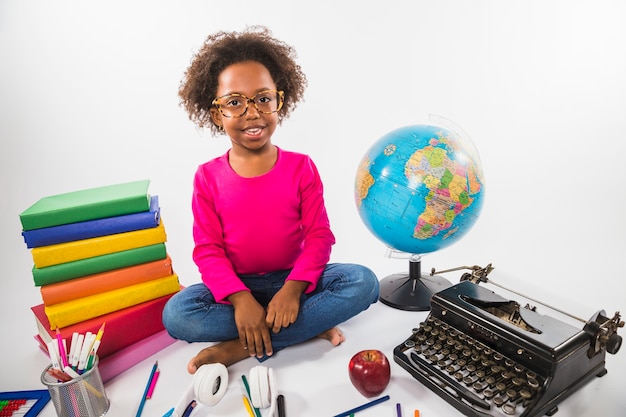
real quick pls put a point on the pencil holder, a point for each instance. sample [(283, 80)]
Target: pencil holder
[(83, 396)]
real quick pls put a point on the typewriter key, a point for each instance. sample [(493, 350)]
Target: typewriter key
[(479, 386), (498, 401), (518, 382), (509, 409), (511, 393), (488, 393), (525, 394)]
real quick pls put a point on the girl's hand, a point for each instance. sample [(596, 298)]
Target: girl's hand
[(284, 307), (254, 333)]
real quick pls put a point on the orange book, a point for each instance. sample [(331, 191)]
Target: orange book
[(105, 281)]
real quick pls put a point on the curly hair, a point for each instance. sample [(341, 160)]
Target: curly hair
[(199, 85)]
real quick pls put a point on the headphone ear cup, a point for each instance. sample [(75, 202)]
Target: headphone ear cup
[(255, 393), (260, 387), (210, 383)]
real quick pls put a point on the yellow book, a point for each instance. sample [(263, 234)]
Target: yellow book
[(81, 309), (61, 253)]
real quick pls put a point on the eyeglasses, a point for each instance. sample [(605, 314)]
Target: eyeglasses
[(236, 105)]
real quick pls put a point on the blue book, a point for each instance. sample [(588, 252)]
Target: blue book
[(94, 228)]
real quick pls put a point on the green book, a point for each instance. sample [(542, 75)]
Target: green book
[(97, 264), (89, 204)]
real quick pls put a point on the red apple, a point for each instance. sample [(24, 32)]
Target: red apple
[(369, 372)]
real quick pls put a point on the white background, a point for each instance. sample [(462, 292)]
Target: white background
[(88, 97)]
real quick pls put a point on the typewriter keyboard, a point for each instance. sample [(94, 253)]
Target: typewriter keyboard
[(470, 371)]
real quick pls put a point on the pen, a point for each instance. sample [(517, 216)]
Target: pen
[(398, 410), (363, 407), (145, 393), (169, 412)]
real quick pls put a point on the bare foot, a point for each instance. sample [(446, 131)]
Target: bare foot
[(226, 353), (333, 335)]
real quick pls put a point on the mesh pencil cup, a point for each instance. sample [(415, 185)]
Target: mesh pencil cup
[(83, 396)]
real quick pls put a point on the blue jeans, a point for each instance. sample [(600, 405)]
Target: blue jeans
[(343, 291)]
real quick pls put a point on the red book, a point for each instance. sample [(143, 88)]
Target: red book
[(123, 327)]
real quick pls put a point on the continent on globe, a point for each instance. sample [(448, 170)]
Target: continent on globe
[(419, 188)]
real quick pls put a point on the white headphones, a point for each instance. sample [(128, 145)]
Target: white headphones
[(263, 391), (211, 381), (208, 387)]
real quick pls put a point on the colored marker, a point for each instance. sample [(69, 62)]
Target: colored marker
[(62, 352), (79, 346), (280, 405)]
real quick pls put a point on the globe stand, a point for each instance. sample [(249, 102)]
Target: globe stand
[(411, 292)]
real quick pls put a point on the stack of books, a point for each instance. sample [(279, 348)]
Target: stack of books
[(99, 257)]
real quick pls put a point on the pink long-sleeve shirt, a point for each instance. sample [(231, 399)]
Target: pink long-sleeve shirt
[(272, 222)]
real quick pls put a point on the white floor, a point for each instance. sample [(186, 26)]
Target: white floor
[(313, 377)]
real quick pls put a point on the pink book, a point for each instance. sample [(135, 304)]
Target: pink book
[(126, 358)]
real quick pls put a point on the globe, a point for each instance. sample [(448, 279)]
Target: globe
[(418, 189)]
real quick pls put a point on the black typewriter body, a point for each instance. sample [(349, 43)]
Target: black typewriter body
[(488, 357)]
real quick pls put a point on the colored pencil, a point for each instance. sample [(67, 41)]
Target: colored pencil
[(363, 407), (145, 393)]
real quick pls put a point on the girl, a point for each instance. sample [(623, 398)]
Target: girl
[(261, 230)]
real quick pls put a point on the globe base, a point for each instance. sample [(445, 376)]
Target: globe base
[(412, 291)]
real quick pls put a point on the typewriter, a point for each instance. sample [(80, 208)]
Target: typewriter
[(488, 356)]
